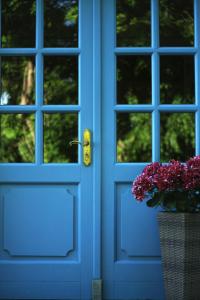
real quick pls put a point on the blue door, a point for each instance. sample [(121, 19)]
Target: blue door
[(46, 190), (151, 112), (91, 91)]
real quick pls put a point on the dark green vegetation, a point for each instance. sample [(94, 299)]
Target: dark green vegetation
[(134, 84)]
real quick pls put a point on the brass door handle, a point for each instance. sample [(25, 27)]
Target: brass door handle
[(78, 142), (87, 147)]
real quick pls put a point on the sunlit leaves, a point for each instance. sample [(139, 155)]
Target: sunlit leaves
[(17, 138)]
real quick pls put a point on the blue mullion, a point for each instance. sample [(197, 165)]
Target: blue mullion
[(197, 73), (130, 108), (154, 24), (177, 108), (39, 24), (60, 108), (162, 107), (18, 108), (17, 51), (39, 84), (161, 50), (39, 138), (0, 21), (177, 50), (60, 51), (135, 50), (155, 66), (155, 101)]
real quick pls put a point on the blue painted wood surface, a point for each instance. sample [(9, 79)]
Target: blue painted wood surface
[(63, 225), (46, 210)]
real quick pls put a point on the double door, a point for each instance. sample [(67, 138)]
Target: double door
[(67, 216)]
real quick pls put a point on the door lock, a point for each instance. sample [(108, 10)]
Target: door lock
[(87, 145)]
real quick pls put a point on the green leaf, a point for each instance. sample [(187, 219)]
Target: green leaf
[(153, 202)]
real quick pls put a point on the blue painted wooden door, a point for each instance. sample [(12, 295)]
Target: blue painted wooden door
[(46, 191), (110, 66), (150, 92)]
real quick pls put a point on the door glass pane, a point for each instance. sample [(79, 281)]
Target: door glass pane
[(177, 79), (18, 23), (17, 80), (177, 136), (133, 79), (59, 130), (133, 137), (17, 138), (61, 23), (61, 80), (133, 23), (176, 23)]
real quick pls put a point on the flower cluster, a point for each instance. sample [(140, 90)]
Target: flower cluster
[(192, 173), (159, 182)]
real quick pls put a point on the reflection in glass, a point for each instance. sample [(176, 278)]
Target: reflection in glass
[(17, 80), (59, 130), (133, 23), (176, 23), (61, 23), (177, 79), (133, 137), (133, 79), (177, 136), (60, 79), (17, 138), (18, 23)]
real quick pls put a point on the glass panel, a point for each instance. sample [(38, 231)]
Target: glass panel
[(17, 138), (17, 80), (177, 79), (177, 136), (133, 79), (61, 23), (60, 80), (133, 23), (176, 23), (59, 130), (18, 23), (133, 137)]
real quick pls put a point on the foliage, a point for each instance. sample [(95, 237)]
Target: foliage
[(17, 131), (61, 80), (134, 80), (17, 137), (174, 186)]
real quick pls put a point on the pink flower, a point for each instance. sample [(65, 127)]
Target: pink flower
[(160, 177), (141, 186), (151, 169), (170, 176), (164, 184), (192, 173)]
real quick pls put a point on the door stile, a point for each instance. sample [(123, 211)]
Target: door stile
[(97, 209), (108, 145), (86, 121)]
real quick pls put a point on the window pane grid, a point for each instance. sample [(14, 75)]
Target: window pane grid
[(39, 52), (156, 52)]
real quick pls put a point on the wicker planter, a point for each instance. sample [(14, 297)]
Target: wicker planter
[(180, 250)]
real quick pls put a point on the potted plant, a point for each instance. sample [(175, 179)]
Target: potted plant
[(175, 188)]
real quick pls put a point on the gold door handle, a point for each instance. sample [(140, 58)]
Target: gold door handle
[(87, 145), (78, 142)]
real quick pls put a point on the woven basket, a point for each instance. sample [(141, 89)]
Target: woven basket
[(180, 250)]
